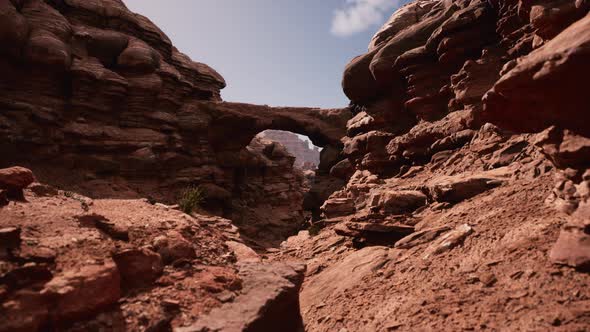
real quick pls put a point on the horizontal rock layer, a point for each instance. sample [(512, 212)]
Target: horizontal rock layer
[(93, 95)]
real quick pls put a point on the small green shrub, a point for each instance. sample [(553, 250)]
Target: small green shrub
[(190, 198)]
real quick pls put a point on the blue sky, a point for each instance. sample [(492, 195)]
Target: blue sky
[(276, 52)]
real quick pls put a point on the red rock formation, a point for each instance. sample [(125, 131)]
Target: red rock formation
[(268, 194), (61, 271), (96, 99), (457, 192), (450, 183)]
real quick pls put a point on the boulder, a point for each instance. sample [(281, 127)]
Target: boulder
[(78, 294), (138, 267), (14, 180), (243, 253), (173, 246)]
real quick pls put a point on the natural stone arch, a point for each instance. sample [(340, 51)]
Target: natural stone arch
[(233, 125)]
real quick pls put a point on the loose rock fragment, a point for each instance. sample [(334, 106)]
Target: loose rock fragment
[(15, 178), (448, 241), (242, 252), (420, 237), (269, 301)]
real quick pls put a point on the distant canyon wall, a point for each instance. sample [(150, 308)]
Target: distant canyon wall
[(306, 157)]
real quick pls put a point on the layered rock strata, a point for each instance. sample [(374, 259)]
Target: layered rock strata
[(434, 77), (469, 153), (96, 99)]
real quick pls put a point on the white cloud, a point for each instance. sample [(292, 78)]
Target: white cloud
[(359, 15)]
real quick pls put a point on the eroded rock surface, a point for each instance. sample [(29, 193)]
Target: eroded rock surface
[(95, 99), (58, 272), (469, 154)]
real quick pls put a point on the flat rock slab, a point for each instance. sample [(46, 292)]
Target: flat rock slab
[(399, 202), (454, 189), (269, 301), (448, 241), (344, 275), (421, 237)]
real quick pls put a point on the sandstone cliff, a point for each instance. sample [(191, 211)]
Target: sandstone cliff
[(469, 145)]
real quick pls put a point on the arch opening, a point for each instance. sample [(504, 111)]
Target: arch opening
[(278, 186), (307, 155)]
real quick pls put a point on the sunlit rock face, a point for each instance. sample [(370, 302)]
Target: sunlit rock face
[(439, 70), (468, 143)]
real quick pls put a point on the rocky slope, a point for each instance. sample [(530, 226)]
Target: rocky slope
[(71, 263), (467, 208)]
